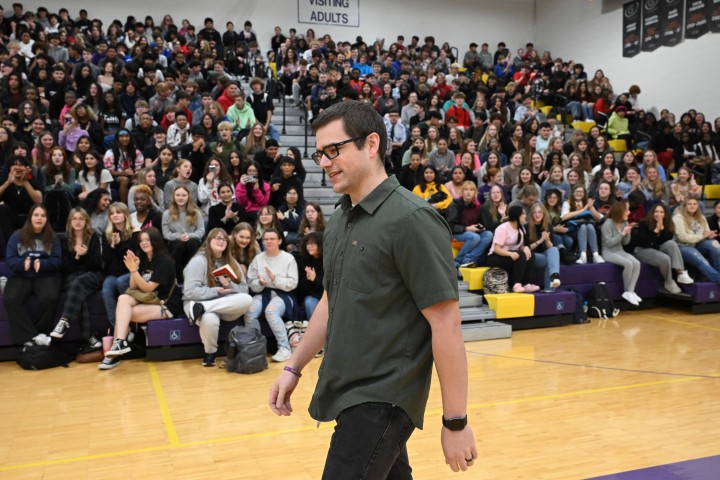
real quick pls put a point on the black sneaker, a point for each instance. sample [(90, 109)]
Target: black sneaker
[(109, 363), (94, 343), (196, 312), (60, 329), (209, 360), (120, 347)]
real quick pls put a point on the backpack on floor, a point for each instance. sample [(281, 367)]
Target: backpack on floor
[(246, 349), (41, 357), (579, 315), (600, 305), (495, 280)]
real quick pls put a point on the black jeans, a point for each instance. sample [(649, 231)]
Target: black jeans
[(519, 271), (18, 292), (370, 443)]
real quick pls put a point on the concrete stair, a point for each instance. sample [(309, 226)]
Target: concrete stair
[(477, 319)]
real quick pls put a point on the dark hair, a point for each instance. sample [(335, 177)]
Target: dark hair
[(359, 120), (668, 224), (515, 212), (157, 242), (312, 237), (423, 183), (27, 233)]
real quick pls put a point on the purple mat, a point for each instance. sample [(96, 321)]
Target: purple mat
[(555, 303), (701, 469), (178, 331), (703, 292)]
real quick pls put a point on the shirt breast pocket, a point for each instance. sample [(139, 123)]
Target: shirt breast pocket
[(361, 267)]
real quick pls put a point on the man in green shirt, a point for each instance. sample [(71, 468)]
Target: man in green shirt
[(390, 308)]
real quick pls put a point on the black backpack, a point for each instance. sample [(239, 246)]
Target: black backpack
[(600, 305), (246, 350), (579, 315), (41, 357)]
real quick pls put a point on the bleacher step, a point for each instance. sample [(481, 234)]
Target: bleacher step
[(476, 314), (485, 331), (470, 300)]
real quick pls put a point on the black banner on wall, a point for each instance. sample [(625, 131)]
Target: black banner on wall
[(631, 28), (715, 16), (696, 18), (651, 25), (671, 22)]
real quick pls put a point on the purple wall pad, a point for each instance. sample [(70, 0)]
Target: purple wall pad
[(701, 469), (177, 331), (703, 292), (556, 303)]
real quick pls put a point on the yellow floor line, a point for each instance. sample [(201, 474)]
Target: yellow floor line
[(172, 434), (164, 408), (680, 322)]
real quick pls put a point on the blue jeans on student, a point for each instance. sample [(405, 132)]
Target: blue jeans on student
[(562, 240), (475, 245), (273, 132), (587, 237), (549, 260), (310, 305), (370, 441), (697, 257), (112, 288)]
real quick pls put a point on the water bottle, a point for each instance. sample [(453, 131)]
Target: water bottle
[(585, 306)]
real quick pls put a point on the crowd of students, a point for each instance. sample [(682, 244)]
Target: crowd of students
[(140, 146)]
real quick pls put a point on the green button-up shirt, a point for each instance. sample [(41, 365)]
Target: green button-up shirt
[(385, 259)]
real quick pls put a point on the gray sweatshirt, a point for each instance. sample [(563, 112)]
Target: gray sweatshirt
[(196, 287), (170, 187), (173, 230), (283, 266)]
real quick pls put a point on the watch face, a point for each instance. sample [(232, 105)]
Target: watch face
[(455, 424)]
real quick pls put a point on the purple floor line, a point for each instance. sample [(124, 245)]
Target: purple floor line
[(707, 468)]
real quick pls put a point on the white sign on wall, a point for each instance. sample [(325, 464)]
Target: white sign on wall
[(341, 13)]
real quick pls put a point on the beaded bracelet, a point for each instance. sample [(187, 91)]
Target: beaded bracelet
[(293, 371)]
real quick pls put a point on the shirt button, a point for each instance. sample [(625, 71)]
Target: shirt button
[(349, 225), (335, 282), (341, 252)]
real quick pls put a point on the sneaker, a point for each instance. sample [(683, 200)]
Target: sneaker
[(637, 297), (468, 265), (42, 339), (582, 260), (555, 280), (196, 312), (672, 287), (295, 340), (60, 329), (109, 363), (320, 353), (630, 298), (684, 278), (209, 360), (530, 288), (94, 343), (120, 347), (283, 355), (597, 258)]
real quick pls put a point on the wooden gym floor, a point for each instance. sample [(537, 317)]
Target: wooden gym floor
[(560, 403)]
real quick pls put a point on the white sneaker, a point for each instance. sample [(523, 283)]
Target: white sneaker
[(684, 278), (597, 258), (283, 355), (630, 298), (672, 287), (637, 297), (582, 260), (42, 339)]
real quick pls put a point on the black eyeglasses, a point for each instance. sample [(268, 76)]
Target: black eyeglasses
[(332, 151)]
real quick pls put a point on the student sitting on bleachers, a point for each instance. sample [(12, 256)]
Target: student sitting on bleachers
[(208, 299), (510, 253), (272, 276), (153, 292), (34, 255), (310, 272), (615, 235), (581, 210), (698, 244), (464, 217), (243, 246), (117, 241), (183, 228), (655, 246), (539, 239), (82, 268)]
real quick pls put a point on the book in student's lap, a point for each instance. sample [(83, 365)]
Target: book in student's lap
[(225, 271)]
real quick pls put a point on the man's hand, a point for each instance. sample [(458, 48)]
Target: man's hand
[(280, 394), (459, 448)]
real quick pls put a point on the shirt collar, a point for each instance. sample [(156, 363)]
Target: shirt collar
[(375, 198)]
